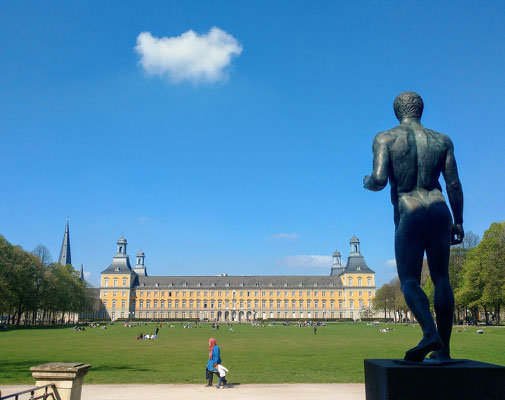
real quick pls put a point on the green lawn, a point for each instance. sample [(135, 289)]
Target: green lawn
[(269, 354)]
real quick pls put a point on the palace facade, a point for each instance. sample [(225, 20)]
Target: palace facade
[(129, 293)]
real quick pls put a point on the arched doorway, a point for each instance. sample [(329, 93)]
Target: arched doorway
[(226, 315), (249, 315), (219, 315), (233, 315), (240, 315)]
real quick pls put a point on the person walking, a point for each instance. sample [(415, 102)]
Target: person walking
[(214, 357)]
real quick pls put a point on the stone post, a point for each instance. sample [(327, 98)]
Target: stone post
[(67, 377)]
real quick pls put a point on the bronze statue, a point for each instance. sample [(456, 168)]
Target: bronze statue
[(412, 158)]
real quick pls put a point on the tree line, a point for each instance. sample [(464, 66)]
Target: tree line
[(35, 290), (477, 275)]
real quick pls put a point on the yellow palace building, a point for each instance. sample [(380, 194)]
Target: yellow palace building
[(129, 293)]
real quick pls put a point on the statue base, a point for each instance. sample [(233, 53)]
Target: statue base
[(463, 379)]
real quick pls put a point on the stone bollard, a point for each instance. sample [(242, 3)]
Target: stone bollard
[(67, 377)]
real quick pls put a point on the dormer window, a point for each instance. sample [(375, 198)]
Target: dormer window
[(156, 284), (358, 268), (228, 284), (199, 284), (300, 284), (256, 284), (116, 269)]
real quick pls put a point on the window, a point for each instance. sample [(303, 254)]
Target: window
[(191, 304), (308, 293), (148, 303), (316, 303), (350, 293), (155, 303), (285, 294), (113, 303), (106, 282), (263, 293), (205, 304), (324, 303), (248, 294), (248, 303), (300, 294), (369, 281), (169, 304), (285, 304), (332, 303), (308, 304), (123, 304), (293, 303), (124, 281), (256, 302), (162, 303), (323, 294), (300, 303), (219, 304), (115, 282), (256, 294), (148, 294), (315, 293), (263, 303), (351, 304), (271, 303), (349, 281), (271, 294), (114, 294), (105, 294), (278, 294), (212, 303), (105, 303), (141, 303), (369, 294), (359, 281), (360, 294), (278, 304)]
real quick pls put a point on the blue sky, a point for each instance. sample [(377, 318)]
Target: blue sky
[(254, 170)]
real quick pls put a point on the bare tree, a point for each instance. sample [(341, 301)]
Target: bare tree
[(42, 252)]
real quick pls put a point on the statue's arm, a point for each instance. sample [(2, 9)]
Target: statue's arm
[(454, 192), (378, 179)]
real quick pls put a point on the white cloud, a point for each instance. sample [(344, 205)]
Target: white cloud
[(86, 275), (306, 261), (190, 56), (390, 263), (143, 220), (285, 236)]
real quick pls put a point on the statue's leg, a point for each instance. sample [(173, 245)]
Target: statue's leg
[(409, 249), (437, 252)]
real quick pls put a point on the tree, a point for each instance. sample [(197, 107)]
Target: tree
[(483, 274), (43, 253)]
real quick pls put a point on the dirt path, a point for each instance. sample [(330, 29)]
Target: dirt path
[(302, 391)]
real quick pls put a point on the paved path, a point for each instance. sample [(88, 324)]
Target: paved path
[(300, 391)]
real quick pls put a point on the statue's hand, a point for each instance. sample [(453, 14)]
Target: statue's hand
[(366, 182), (457, 234)]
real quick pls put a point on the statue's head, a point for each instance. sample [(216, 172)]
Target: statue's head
[(408, 105)]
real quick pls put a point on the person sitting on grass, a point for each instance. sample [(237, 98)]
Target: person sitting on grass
[(222, 375)]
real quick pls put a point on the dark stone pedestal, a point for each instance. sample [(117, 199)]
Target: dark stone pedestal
[(472, 380)]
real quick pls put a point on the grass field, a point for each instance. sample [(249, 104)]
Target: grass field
[(269, 354)]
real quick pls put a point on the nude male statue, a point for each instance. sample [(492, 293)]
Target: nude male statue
[(412, 158)]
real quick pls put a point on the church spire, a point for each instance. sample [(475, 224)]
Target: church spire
[(65, 257), (81, 273)]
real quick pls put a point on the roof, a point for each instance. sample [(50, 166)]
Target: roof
[(354, 239), (120, 265), (356, 264), (247, 282), (65, 257), (93, 293)]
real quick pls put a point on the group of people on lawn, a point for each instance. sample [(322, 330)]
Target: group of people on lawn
[(214, 366)]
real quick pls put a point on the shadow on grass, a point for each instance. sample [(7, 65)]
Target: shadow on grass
[(105, 367), (18, 368)]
